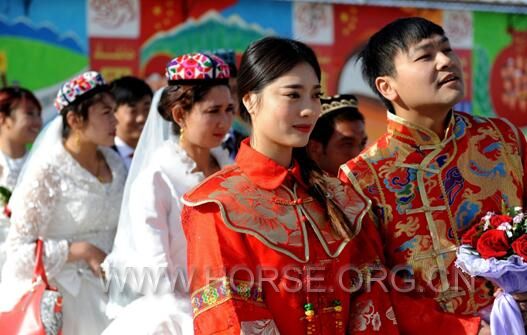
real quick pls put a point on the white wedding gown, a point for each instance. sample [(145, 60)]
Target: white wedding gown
[(61, 202), (157, 243), (9, 170)]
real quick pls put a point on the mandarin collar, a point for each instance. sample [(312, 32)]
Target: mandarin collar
[(415, 134), (262, 170)]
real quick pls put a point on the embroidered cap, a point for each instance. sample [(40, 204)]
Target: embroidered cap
[(338, 102), (72, 90), (229, 57), (196, 67)]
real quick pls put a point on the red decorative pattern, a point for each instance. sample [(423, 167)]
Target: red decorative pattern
[(196, 66)]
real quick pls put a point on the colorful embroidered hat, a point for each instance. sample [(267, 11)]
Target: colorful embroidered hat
[(196, 67), (72, 90), (339, 102), (229, 57)]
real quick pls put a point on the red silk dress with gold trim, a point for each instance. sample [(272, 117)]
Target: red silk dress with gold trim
[(428, 191), (263, 257)]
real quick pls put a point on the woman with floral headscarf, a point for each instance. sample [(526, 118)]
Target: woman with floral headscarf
[(69, 196), (179, 147)]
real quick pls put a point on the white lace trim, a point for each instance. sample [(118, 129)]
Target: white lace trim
[(221, 155)]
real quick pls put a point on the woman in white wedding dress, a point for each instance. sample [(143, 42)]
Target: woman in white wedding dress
[(68, 195), (179, 147), (20, 123)]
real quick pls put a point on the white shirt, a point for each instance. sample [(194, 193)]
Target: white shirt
[(9, 169), (125, 151)]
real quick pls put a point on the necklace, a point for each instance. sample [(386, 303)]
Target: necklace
[(100, 159)]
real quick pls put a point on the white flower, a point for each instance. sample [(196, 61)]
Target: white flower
[(518, 218), (504, 226), (486, 218)]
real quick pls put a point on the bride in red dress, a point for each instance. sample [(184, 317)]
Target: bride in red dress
[(274, 245)]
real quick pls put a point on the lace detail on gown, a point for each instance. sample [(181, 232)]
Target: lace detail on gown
[(61, 202), (30, 220)]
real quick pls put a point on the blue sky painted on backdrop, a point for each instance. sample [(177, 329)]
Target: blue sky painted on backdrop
[(63, 16), (275, 14), (69, 17)]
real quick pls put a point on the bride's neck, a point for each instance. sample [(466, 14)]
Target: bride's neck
[(83, 152), (201, 156), (12, 149)]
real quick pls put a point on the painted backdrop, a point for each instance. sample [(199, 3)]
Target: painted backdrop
[(44, 42)]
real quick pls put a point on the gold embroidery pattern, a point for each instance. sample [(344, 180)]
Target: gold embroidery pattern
[(255, 209), (352, 203), (512, 151), (476, 168), (278, 218), (426, 236), (409, 227), (222, 290)]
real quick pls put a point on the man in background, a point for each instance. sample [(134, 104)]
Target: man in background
[(133, 97), (339, 133), (240, 129)]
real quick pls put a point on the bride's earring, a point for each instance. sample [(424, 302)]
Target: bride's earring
[(181, 135)]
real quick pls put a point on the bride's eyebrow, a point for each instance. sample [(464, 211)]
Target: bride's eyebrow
[(107, 106), (299, 86), (293, 86), (214, 107)]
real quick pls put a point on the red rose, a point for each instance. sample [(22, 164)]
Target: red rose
[(472, 235), (493, 243), (496, 220), (520, 247), (7, 211)]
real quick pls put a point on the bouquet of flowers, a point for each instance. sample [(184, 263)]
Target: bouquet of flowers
[(496, 249), (5, 195)]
